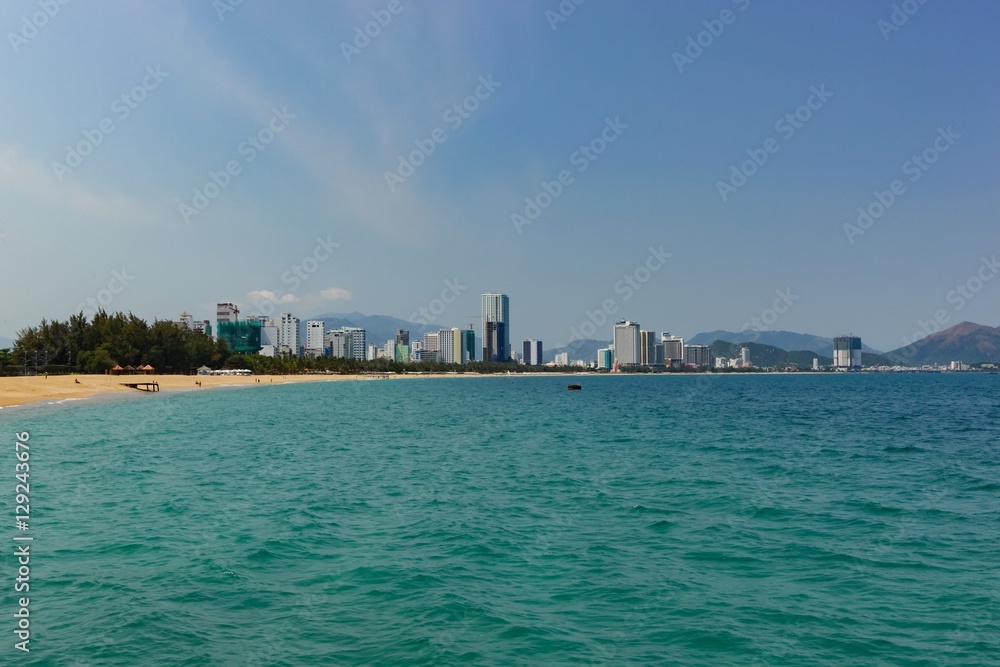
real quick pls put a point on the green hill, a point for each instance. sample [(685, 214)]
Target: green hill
[(769, 356)]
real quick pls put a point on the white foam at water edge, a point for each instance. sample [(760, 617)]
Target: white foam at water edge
[(67, 400)]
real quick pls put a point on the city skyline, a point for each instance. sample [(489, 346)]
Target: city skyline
[(437, 159)]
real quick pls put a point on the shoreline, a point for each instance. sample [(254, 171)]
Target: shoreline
[(19, 391), (26, 390)]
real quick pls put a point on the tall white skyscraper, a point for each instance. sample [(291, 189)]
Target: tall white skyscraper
[(289, 337), (314, 336), (627, 347), (446, 346), (356, 344), (496, 327)]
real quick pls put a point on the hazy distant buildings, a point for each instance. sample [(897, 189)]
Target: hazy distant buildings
[(627, 345), (847, 353), (188, 322), (402, 337), (745, 357), (496, 327), (562, 359), (531, 352)]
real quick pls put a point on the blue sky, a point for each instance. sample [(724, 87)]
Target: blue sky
[(112, 229)]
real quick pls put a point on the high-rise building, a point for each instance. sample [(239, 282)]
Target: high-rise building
[(605, 357), (268, 335), (468, 345), (627, 347), (531, 352), (432, 341), (355, 347), (562, 359), (673, 349), (847, 353), (659, 357), (496, 340), (336, 340), (314, 336), (226, 312), (697, 355), (449, 346), (402, 337), (647, 339), (289, 337), (745, 357), (493, 343), (401, 353), (241, 337)]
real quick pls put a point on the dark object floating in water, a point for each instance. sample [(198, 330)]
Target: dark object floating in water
[(574, 387)]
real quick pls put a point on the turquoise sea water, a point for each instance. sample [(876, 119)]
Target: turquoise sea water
[(765, 520)]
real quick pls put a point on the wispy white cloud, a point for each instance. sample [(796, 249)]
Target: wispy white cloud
[(264, 295), (30, 178), (336, 294)]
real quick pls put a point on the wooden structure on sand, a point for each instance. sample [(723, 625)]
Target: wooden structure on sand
[(143, 386)]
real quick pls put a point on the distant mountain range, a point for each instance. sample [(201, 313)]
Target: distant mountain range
[(969, 342), (774, 357), (5, 343), (785, 340)]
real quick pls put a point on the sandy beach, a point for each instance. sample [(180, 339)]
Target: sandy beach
[(22, 390)]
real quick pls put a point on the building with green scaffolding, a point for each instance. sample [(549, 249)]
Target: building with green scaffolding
[(241, 337)]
